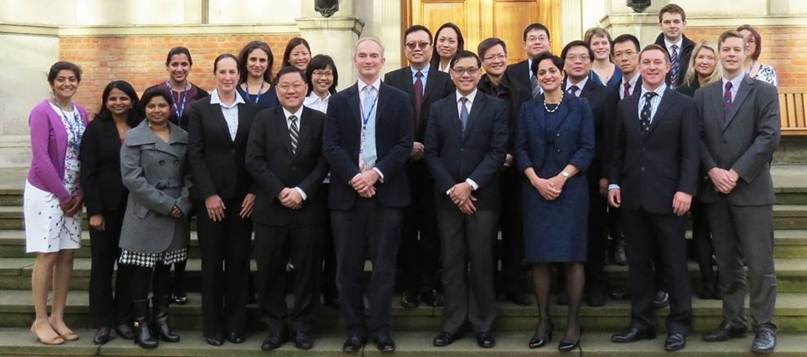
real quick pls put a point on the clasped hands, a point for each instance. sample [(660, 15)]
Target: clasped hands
[(551, 188), (215, 207), (681, 203), (724, 180), (72, 206), (364, 183), (460, 195)]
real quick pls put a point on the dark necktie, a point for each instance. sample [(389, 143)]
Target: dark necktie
[(626, 92), (573, 90), (418, 93), (464, 114), (676, 66), (536, 88), (727, 100), (294, 134), (644, 116)]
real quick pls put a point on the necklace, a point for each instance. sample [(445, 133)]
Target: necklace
[(555, 105)]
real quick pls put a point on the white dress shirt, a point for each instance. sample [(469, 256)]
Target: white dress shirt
[(230, 112), (468, 105), (579, 85), (316, 102)]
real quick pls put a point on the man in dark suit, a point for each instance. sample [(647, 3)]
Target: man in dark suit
[(368, 140), (673, 21), (466, 142), (653, 176), (419, 256), (577, 57), (740, 121), (536, 41), (218, 129), (285, 158)]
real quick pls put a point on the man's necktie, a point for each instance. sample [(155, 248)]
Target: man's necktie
[(418, 93), (536, 88), (727, 100), (573, 90), (676, 66), (294, 134), (644, 116), (464, 114), (626, 91)]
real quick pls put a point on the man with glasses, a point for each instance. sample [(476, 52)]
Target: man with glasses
[(418, 258), (466, 143), (536, 41)]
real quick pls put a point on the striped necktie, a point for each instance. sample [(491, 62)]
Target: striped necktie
[(294, 134)]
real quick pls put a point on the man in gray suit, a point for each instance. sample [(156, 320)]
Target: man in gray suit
[(740, 121)]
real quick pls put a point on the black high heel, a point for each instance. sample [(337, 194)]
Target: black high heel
[(568, 346), (537, 340)]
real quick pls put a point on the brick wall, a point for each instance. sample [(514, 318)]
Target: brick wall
[(140, 60), (782, 47)]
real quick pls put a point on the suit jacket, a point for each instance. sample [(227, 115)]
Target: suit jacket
[(602, 102), (513, 96), (519, 74), (477, 153), (745, 141), (156, 174), (686, 52), (342, 141), (274, 167), (216, 160), (438, 86), (100, 167), (651, 168)]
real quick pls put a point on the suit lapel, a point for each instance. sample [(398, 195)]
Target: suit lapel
[(380, 104), (303, 132), (477, 106), (632, 123), (355, 103), (282, 129), (243, 124), (219, 121), (663, 106), (745, 87)]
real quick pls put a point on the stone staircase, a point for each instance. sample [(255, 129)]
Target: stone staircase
[(413, 328)]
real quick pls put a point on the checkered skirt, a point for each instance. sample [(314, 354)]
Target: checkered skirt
[(149, 260)]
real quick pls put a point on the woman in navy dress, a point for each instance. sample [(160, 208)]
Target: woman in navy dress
[(255, 68), (554, 146), (603, 69)]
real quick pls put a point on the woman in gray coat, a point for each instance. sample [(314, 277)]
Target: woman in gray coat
[(155, 226)]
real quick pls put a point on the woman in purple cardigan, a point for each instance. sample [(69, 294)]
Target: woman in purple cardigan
[(53, 201)]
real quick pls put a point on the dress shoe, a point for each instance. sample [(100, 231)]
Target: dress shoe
[(273, 341), (675, 341), (724, 333), (409, 299), (517, 297), (764, 340), (235, 337), (446, 338), (179, 299), (634, 334), (619, 294), (125, 331), (102, 336), (661, 300), (384, 343), (485, 339), (620, 254), (353, 344), (539, 340), (567, 345), (432, 298), (303, 340), (215, 340)]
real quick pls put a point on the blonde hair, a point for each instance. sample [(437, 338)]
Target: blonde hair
[(691, 75)]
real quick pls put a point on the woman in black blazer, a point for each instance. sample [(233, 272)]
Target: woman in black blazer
[(222, 191), (105, 198)]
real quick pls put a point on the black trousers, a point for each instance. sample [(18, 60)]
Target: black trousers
[(596, 278), (467, 244), (366, 227), (144, 280), (647, 235), (419, 254), (275, 246), (702, 243), (328, 255), (109, 309), (510, 249), (225, 248)]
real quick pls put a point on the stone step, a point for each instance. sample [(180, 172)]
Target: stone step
[(15, 274), (16, 342), (791, 314)]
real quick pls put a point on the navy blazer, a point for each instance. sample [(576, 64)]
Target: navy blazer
[(453, 156), (603, 106), (438, 86), (342, 141), (575, 145), (651, 168), (519, 74)]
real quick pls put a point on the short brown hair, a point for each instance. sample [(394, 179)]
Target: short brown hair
[(655, 47), (597, 31), (757, 39), (673, 9), (728, 34)]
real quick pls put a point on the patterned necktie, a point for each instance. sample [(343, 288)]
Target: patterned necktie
[(464, 113), (626, 92), (536, 88), (418, 94), (644, 116), (727, 100), (676, 66), (573, 90), (294, 134)]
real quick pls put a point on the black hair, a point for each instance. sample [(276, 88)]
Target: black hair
[(221, 57), (286, 70), (155, 91), (133, 117), (294, 42), (625, 38), (556, 61), (178, 51), (489, 43), (535, 26), (435, 62), (416, 28), (244, 57), (320, 62), (63, 65), (465, 54), (576, 43)]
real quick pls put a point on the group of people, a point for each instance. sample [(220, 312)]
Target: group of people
[(419, 172)]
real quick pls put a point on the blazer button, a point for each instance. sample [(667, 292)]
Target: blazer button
[(642, 168), (161, 162), (557, 135), (557, 150), (725, 141)]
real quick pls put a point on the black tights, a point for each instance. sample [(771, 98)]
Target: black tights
[(575, 282), (144, 278)]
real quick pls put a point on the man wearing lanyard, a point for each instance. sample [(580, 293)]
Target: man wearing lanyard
[(367, 141)]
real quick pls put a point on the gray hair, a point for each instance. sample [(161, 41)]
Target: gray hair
[(368, 39)]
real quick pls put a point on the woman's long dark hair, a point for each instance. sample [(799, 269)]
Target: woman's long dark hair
[(320, 62), (244, 56), (290, 46), (435, 62), (134, 117)]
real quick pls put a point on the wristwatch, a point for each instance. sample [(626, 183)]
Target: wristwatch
[(565, 174)]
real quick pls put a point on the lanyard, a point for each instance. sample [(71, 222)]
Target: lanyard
[(179, 109), (365, 117), (257, 96)]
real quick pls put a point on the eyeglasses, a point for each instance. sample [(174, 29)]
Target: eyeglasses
[(460, 71), (577, 57), (286, 87), (494, 57), (415, 45), (319, 73)]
